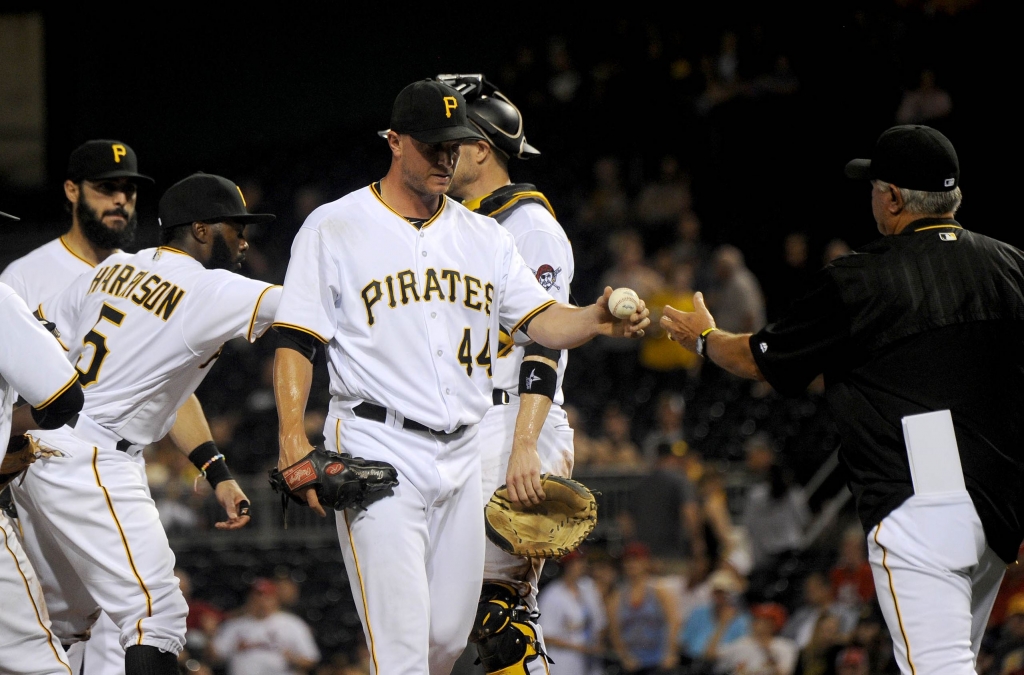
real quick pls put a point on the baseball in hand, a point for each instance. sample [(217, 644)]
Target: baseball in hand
[(623, 302)]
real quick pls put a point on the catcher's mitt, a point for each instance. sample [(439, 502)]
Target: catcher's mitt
[(340, 480), (551, 529)]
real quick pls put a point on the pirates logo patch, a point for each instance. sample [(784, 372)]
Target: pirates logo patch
[(546, 275)]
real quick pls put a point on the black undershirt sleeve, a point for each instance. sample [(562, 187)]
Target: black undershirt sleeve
[(61, 409), (535, 349), (303, 343)]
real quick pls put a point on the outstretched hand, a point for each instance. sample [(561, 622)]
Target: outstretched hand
[(235, 503), (631, 327), (686, 327)]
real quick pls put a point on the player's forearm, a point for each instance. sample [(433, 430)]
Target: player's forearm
[(731, 352), (533, 410), (190, 428), (293, 375), (562, 326)]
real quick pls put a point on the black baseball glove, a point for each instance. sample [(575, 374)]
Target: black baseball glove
[(340, 480)]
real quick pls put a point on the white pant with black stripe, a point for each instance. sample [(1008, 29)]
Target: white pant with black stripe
[(936, 580), (93, 533)]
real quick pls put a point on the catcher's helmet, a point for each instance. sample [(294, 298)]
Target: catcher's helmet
[(490, 111)]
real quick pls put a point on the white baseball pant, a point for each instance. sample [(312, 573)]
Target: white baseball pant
[(92, 522), (936, 580), (414, 558), (27, 644)]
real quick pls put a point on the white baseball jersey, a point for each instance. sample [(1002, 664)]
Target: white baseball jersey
[(411, 315), (44, 272), (144, 329), (545, 248), (33, 363), (27, 360)]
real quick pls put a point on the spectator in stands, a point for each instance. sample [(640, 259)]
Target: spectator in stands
[(616, 448), (572, 616), (642, 617), (724, 543), (763, 651), (792, 275), (663, 513), (661, 202), (665, 363), (1009, 648), (713, 625), (263, 639), (735, 299), (927, 103), (873, 636), (606, 207), (850, 576), (775, 512), (203, 619), (690, 248), (1012, 584), (695, 589), (852, 660), (817, 602), (586, 448), (629, 269), (818, 656), (670, 408)]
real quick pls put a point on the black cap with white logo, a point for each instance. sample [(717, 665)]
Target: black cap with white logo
[(431, 112), (206, 198), (911, 156), (101, 159)]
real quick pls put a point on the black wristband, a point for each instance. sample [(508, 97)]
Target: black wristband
[(211, 463), (537, 377)]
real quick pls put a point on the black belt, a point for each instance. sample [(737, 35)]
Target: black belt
[(378, 413), (500, 397), (123, 445)]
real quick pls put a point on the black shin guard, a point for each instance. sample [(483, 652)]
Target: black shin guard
[(504, 632), (148, 660)]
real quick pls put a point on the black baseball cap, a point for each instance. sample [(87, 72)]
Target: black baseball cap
[(206, 198), (99, 159), (911, 156), (431, 112)]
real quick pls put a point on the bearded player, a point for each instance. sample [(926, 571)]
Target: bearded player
[(526, 429)]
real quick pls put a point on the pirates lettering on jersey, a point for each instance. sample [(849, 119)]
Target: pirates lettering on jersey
[(149, 291), (404, 288)]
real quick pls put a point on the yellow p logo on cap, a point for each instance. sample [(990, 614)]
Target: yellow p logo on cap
[(450, 104), (119, 152)]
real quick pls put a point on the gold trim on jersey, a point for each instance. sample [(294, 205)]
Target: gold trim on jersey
[(896, 603), (124, 542), (299, 328), (256, 311), (54, 397), (39, 311), (69, 250), (426, 223), (939, 227), (515, 199), (171, 249), (362, 592), (532, 314), (35, 607)]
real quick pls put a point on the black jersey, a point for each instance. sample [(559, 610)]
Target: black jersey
[(930, 319)]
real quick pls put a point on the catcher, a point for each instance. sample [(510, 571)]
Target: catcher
[(533, 516)]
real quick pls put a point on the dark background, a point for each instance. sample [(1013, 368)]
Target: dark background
[(293, 96)]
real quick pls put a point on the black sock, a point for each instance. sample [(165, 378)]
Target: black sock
[(148, 660)]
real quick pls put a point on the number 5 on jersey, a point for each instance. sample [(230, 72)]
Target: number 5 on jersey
[(99, 342)]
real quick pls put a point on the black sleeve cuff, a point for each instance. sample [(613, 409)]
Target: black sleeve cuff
[(61, 409), (535, 349), (303, 343)]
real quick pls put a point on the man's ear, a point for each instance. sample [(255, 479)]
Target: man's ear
[(201, 232), (71, 191), (896, 201)]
